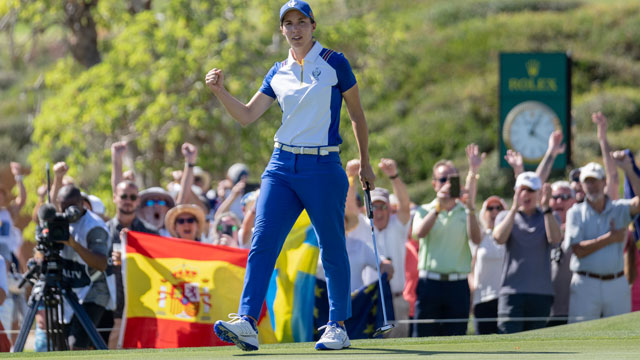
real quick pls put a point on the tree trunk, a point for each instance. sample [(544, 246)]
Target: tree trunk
[(83, 41), (136, 6)]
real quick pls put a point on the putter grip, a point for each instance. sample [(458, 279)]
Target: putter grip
[(367, 201)]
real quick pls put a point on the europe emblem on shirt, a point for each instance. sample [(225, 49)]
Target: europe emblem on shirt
[(316, 73)]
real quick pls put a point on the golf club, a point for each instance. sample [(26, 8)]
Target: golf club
[(386, 327)]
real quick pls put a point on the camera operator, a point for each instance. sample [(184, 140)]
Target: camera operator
[(85, 253)]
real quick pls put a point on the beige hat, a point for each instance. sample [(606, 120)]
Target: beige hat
[(380, 194), (591, 170), (172, 215)]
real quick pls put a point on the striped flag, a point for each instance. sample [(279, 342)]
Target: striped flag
[(629, 193), (290, 297), (176, 289)]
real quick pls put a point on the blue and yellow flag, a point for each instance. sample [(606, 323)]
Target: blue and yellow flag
[(630, 194), (290, 297), (366, 307)]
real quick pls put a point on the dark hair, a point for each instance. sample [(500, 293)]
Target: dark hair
[(70, 194), (574, 175)]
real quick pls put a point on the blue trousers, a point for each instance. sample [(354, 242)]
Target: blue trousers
[(291, 183)]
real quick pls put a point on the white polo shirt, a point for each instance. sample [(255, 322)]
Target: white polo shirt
[(310, 96), (391, 245)]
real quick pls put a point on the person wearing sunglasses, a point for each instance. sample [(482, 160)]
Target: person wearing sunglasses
[(444, 228), (127, 200), (574, 178), (529, 233), (488, 257), (186, 221), (562, 199), (596, 230), (155, 202), (225, 229)]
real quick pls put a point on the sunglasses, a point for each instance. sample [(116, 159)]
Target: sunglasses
[(529, 190), (491, 208), (222, 227), (153, 202), (188, 221), (561, 197), (132, 197), (379, 207)]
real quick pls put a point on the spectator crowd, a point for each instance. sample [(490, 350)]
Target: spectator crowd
[(558, 252)]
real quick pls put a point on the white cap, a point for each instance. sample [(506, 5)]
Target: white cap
[(528, 179), (97, 206), (591, 170)]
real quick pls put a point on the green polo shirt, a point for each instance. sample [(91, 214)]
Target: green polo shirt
[(445, 249)]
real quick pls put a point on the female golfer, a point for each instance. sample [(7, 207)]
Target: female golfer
[(305, 171)]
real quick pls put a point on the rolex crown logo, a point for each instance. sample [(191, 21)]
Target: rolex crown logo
[(533, 67)]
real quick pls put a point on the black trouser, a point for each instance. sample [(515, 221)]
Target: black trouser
[(78, 338), (487, 310), (442, 300), (106, 322)]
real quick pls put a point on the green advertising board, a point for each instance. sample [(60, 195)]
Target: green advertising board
[(535, 100)]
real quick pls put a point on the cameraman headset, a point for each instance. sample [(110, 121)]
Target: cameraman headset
[(85, 253)]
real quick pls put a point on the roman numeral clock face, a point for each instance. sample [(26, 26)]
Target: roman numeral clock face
[(527, 128)]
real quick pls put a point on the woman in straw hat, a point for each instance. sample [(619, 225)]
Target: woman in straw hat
[(186, 221)]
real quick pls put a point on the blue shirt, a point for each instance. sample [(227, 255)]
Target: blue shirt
[(310, 96), (584, 223)]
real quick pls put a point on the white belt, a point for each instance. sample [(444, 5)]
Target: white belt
[(298, 150), (424, 274)]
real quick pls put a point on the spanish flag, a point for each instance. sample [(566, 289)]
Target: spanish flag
[(176, 289)]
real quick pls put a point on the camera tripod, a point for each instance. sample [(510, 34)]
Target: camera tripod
[(49, 292)]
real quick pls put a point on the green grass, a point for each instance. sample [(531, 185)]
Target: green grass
[(612, 338)]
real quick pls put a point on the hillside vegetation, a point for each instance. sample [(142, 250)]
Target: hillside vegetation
[(427, 72)]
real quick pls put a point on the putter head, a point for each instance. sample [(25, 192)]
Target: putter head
[(383, 330)]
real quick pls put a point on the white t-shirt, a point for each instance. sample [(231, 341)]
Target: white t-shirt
[(487, 273), (361, 257), (391, 245)]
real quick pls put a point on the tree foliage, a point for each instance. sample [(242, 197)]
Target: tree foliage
[(429, 87)]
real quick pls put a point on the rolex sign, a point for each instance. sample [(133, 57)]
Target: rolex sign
[(535, 100)]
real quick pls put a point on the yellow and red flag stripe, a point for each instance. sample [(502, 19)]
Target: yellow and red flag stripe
[(176, 289)]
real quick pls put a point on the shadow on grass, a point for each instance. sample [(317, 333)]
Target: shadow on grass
[(356, 351)]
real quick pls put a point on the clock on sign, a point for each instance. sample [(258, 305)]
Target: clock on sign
[(527, 128)]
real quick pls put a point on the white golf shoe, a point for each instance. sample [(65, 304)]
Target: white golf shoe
[(334, 338), (240, 331)]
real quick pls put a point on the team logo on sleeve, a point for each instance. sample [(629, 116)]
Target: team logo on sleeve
[(316, 73)]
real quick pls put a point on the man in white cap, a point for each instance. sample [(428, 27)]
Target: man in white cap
[(392, 231), (596, 230)]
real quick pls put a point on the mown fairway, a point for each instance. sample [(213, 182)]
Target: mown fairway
[(612, 338)]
